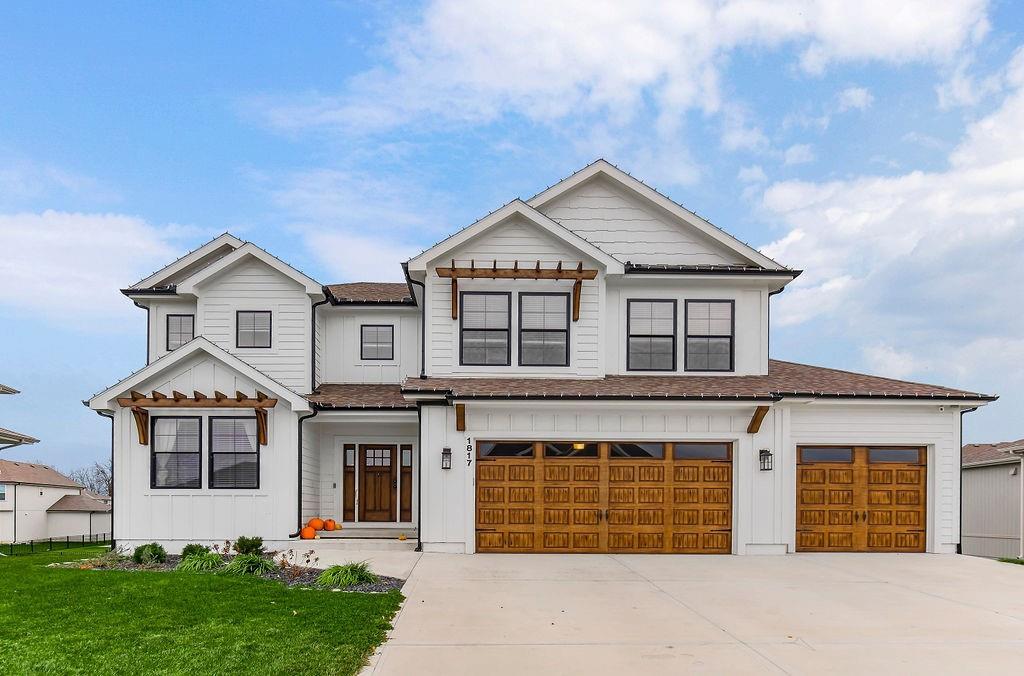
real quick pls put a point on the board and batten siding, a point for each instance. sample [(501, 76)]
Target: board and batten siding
[(254, 285), (507, 243), (311, 470), (992, 510), (936, 427), (342, 360), (176, 517), (631, 229)]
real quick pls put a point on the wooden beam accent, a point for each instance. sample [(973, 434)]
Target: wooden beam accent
[(197, 395), (261, 426), (239, 396), (577, 291), (178, 396), (136, 395), (261, 396), (197, 403), (460, 417), (755, 421), (156, 395), (515, 273), (455, 297), (219, 396), (141, 416)]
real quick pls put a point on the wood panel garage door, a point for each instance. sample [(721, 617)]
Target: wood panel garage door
[(604, 497), (861, 499)]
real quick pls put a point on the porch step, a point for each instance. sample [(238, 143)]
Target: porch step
[(385, 532), (363, 544)]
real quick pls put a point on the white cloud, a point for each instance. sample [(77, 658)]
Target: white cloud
[(854, 98), (801, 153), (923, 263), (885, 360), (752, 174), (69, 266), (23, 182)]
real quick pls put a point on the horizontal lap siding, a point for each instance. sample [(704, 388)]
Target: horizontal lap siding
[(630, 230), (992, 510), (256, 286), (896, 425)]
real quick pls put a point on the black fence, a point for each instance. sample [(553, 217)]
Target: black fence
[(53, 544)]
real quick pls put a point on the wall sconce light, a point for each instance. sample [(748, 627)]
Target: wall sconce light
[(446, 458), (766, 460)]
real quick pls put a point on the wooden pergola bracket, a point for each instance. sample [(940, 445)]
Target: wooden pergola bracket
[(261, 426), (755, 421), (460, 417), (141, 416)]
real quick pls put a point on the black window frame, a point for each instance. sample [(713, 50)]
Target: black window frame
[(732, 338), (167, 332), (462, 326), (210, 453), (675, 331), (568, 323), (270, 331), (153, 452), (362, 347)]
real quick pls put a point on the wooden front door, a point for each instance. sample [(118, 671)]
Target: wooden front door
[(604, 497), (377, 482), (861, 499)]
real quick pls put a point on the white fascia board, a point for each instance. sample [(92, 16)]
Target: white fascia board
[(188, 285), (636, 186), (516, 207), (831, 400), (188, 259), (676, 406), (104, 401)]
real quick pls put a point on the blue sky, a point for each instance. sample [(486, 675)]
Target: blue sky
[(875, 145)]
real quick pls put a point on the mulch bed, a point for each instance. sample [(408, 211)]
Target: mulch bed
[(292, 576)]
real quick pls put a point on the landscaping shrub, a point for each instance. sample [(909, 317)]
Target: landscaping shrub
[(249, 564), (193, 549), (149, 554), (249, 545), (201, 563), (347, 575)]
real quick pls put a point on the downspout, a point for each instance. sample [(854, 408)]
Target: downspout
[(419, 478), (423, 319), (108, 414), (960, 459), (312, 340), (14, 536), (148, 341), (298, 487)]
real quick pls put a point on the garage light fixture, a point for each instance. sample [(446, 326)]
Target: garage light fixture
[(766, 460), (446, 458), (578, 445)]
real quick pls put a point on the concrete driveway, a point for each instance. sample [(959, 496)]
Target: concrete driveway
[(620, 614)]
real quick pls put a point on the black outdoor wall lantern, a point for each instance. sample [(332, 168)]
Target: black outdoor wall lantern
[(446, 458), (766, 460)]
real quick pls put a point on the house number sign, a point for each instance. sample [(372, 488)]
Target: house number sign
[(469, 452)]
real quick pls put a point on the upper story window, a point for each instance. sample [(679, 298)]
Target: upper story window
[(234, 453), (485, 316), (3, 492), (709, 335), (253, 328), (175, 449), (180, 330), (651, 329), (543, 329), (377, 341)]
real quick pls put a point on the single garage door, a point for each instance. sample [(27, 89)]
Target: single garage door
[(641, 497), (861, 499)]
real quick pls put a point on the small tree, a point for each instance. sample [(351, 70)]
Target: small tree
[(95, 477)]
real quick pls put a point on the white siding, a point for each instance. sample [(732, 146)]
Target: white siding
[(158, 311), (310, 471), (342, 362), (508, 242), (632, 229), (992, 510), (750, 337), (32, 502), (254, 285), (75, 524)]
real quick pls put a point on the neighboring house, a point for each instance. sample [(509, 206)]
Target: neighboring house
[(10, 438), (584, 371), (38, 502), (993, 509)]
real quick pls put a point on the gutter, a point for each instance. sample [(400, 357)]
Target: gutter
[(960, 460), (298, 472), (110, 415)]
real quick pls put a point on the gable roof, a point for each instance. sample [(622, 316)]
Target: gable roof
[(248, 249), (162, 277), (78, 503), (784, 379), (991, 454), (11, 438), (604, 168), (369, 293), (18, 472), (101, 401), (500, 215)]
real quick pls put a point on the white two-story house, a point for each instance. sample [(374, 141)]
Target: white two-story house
[(584, 371)]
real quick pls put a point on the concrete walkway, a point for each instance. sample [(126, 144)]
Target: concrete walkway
[(619, 614)]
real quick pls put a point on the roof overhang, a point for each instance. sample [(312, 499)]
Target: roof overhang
[(249, 250), (159, 277)]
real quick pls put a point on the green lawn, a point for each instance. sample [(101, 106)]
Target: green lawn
[(86, 621)]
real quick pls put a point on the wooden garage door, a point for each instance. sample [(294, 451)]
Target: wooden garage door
[(604, 497), (861, 499)]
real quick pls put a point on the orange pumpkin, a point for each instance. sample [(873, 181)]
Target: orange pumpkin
[(316, 524), (330, 524), (307, 533)]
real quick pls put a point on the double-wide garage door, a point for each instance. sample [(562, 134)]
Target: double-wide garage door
[(604, 497), (861, 499)]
